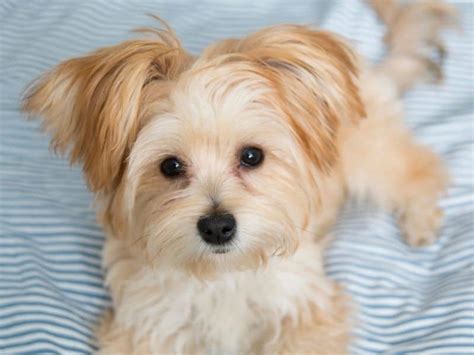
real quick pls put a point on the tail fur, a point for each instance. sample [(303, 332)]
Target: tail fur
[(415, 49)]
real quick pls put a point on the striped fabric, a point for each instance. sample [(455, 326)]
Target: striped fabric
[(51, 293)]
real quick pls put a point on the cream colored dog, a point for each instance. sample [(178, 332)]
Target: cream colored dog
[(216, 174)]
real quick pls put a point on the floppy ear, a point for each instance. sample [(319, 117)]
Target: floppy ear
[(315, 74), (93, 105)]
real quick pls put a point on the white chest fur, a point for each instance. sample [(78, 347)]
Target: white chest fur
[(231, 314)]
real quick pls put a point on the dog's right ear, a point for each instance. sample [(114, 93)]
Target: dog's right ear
[(93, 105)]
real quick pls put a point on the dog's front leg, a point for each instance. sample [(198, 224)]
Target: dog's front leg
[(318, 331), (115, 340)]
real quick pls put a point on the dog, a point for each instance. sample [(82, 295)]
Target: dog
[(217, 176)]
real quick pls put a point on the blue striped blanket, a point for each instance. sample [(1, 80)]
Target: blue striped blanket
[(51, 284)]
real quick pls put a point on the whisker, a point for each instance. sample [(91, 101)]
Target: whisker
[(136, 240), (165, 245), (237, 246)]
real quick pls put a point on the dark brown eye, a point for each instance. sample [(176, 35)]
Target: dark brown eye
[(172, 167), (251, 157)]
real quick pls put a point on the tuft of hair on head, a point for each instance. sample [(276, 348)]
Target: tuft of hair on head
[(93, 105)]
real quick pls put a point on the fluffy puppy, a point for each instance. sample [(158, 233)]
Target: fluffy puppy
[(216, 173)]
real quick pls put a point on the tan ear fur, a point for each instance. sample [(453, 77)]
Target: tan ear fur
[(93, 104), (316, 76)]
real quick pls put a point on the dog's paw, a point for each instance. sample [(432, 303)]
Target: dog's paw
[(421, 226)]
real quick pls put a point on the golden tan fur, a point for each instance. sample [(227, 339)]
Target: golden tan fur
[(76, 99), (330, 126)]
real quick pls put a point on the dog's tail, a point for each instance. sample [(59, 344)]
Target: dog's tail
[(415, 49)]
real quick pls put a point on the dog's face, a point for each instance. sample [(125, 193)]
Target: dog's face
[(217, 176), (207, 164)]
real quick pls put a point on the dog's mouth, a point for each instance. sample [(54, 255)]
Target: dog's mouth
[(221, 250)]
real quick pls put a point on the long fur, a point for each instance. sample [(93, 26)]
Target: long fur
[(330, 125)]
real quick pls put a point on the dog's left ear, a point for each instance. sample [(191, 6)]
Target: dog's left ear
[(94, 105), (315, 74)]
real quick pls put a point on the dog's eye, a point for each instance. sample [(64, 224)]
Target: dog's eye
[(172, 167), (251, 157)]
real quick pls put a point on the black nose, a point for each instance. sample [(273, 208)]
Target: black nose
[(217, 228)]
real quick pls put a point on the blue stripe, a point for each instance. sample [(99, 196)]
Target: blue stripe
[(11, 347), (45, 306), (99, 295), (58, 299), (60, 325)]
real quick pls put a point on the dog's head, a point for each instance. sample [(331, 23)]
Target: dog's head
[(209, 163)]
